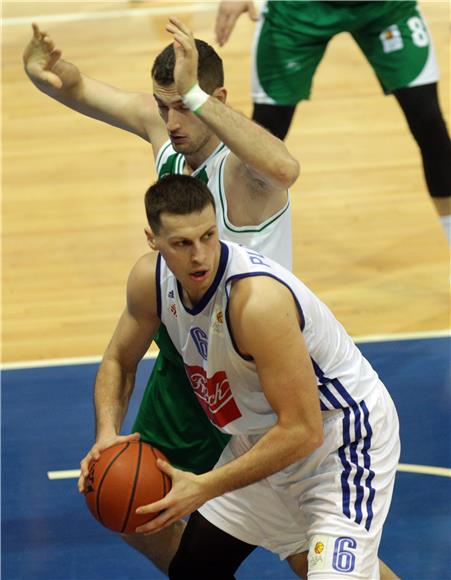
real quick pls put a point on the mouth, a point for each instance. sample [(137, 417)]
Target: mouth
[(177, 138), (199, 276)]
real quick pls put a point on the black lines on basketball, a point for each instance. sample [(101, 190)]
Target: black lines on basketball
[(126, 476), (102, 479), (132, 495)]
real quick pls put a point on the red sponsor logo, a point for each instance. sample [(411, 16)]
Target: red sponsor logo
[(214, 394)]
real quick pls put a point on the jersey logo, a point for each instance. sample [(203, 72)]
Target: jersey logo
[(200, 340), (391, 39), (171, 294), (214, 394)]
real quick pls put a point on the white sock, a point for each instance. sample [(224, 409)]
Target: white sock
[(446, 223)]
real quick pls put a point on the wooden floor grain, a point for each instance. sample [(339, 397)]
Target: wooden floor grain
[(366, 237)]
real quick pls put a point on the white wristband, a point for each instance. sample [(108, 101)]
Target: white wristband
[(195, 98)]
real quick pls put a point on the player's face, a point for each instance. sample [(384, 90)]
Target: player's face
[(187, 133), (191, 249)]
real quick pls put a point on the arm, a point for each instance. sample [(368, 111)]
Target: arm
[(268, 330), (227, 15), (62, 81), (116, 375), (256, 154)]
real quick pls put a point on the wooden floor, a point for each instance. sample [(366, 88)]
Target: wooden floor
[(366, 237)]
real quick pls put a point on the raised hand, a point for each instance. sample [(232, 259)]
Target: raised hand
[(40, 56), (227, 15), (186, 57)]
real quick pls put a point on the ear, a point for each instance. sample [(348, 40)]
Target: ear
[(220, 93), (150, 238)]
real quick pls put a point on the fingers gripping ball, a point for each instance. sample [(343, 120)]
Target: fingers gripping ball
[(125, 477)]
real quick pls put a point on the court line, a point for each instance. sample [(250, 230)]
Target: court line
[(56, 362), (127, 12), (405, 467), (60, 362)]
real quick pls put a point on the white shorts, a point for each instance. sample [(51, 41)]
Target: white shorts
[(332, 504)]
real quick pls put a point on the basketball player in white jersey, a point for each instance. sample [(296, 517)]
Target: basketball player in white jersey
[(310, 467)]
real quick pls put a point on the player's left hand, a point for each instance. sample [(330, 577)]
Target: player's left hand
[(186, 57), (187, 494)]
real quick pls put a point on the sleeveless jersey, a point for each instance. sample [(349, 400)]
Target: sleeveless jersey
[(226, 385), (271, 237)]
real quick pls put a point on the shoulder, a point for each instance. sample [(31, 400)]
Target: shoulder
[(260, 309), (256, 296), (141, 285)]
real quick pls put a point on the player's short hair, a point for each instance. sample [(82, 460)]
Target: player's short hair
[(177, 195), (210, 70)]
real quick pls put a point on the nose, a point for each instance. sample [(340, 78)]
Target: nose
[(173, 122), (198, 253)]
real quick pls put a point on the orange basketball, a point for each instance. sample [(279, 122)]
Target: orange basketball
[(124, 478)]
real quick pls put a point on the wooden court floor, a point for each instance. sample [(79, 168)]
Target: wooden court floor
[(366, 237)]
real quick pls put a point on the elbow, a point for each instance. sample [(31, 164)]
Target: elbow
[(313, 437), (288, 172), (317, 438)]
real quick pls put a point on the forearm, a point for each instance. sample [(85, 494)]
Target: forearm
[(253, 145), (277, 449), (112, 392), (130, 111)]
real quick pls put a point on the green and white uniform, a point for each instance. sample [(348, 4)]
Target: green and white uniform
[(292, 36), (170, 416)]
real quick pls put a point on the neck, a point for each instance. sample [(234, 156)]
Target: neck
[(195, 160)]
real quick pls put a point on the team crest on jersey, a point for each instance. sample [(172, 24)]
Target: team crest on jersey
[(391, 39), (317, 553), (173, 309), (214, 394), (217, 321), (200, 340)]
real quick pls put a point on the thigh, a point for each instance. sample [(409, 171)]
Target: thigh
[(397, 43), (287, 49)]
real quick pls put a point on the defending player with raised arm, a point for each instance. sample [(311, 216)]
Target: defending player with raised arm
[(271, 366), (259, 162)]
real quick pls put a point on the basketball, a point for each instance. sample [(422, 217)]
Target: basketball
[(124, 478)]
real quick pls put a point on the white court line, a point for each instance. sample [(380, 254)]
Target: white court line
[(425, 469), (128, 12), (60, 362), (64, 474), (56, 362), (403, 336), (406, 467)]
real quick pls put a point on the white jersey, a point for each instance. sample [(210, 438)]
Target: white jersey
[(226, 384), (271, 237), (336, 499)]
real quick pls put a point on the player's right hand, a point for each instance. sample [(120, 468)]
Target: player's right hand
[(228, 14), (39, 58), (94, 454)]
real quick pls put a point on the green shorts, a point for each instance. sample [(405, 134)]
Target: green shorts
[(292, 37), (170, 417)]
